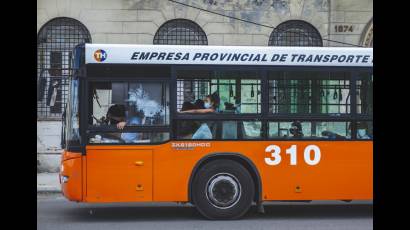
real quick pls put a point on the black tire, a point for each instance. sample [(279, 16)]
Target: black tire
[(223, 189)]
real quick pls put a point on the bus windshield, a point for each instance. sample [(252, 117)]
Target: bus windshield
[(72, 116)]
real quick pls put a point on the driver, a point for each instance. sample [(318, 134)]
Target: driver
[(132, 117), (115, 114)]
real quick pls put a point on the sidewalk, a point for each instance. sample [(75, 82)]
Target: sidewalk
[(48, 182)]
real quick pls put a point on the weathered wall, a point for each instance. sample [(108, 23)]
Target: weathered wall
[(48, 145), (136, 21)]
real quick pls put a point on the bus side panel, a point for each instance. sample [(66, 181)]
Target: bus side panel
[(115, 174), (84, 176), (343, 172), (172, 169), (71, 168)]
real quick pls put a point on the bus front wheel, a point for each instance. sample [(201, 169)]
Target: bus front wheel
[(223, 189)]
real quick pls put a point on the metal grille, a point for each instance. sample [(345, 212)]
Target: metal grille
[(295, 33), (55, 43), (309, 96), (191, 90), (180, 32), (364, 96), (246, 92)]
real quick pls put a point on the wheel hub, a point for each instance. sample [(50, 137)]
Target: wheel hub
[(223, 190)]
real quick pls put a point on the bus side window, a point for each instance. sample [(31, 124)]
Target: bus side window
[(229, 130), (293, 129), (251, 129), (333, 130)]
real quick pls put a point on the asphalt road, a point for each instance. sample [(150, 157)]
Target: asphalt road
[(55, 212)]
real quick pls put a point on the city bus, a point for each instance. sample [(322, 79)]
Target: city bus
[(223, 128)]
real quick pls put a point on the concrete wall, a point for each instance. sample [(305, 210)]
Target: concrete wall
[(48, 146), (136, 21)]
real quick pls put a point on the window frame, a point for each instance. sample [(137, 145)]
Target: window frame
[(92, 129), (265, 117)]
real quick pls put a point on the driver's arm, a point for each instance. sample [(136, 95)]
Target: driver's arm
[(121, 124)]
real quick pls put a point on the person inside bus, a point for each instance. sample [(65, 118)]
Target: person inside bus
[(296, 129), (115, 114), (199, 103), (187, 128), (211, 105), (133, 117), (362, 131)]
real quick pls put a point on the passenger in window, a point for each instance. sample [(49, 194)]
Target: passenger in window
[(296, 129), (362, 131), (186, 129), (188, 106), (211, 105), (199, 104)]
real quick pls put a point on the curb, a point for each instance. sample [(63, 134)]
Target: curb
[(48, 189)]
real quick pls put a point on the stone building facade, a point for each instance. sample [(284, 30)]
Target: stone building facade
[(61, 24)]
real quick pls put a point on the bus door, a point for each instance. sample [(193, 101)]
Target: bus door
[(126, 118)]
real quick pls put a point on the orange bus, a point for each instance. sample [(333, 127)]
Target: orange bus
[(220, 127)]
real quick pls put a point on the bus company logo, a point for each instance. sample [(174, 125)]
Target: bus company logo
[(100, 55)]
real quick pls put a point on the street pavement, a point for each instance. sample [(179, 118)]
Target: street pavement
[(56, 213)]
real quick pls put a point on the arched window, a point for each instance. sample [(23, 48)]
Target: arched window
[(367, 35), (295, 33), (55, 42), (180, 32)]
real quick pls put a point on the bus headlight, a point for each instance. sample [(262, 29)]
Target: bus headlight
[(64, 179)]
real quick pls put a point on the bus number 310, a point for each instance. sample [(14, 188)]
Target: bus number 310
[(276, 158)]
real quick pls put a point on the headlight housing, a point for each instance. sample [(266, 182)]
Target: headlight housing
[(64, 179)]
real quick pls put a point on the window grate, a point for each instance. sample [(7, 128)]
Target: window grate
[(295, 33), (55, 43), (180, 32), (199, 90)]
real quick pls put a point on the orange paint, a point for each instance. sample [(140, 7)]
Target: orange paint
[(72, 168), (115, 174)]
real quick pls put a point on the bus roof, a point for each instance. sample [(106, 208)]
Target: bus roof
[(228, 55)]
